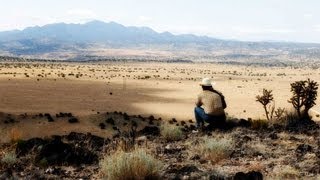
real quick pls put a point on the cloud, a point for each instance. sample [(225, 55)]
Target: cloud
[(79, 16), (81, 13), (143, 19), (316, 28), (261, 30), (308, 16)]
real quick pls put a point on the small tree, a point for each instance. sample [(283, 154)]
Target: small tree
[(265, 99), (304, 97)]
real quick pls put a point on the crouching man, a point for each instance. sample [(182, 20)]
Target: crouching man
[(210, 106)]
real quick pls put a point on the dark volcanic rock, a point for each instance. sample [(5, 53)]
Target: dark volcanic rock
[(79, 149), (244, 123), (56, 153), (150, 130), (187, 169), (252, 175), (87, 140), (303, 149), (273, 136), (110, 121), (49, 117), (73, 120), (24, 147), (303, 126), (102, 126)]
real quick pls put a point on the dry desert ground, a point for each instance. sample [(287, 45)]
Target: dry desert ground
[(165, 90), (69, 120)]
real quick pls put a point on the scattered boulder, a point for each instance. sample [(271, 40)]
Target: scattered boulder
[(273, 136), (184, 170), (62, 115), (244, 123), (24, 147), (73, 120), (57, 153), (252, 175), (150, 130), (49, 117), (151, 118), (246, 138), (303, 149), (87, 140), (126, 116), (303, 126), (110, 121), (102, 126)]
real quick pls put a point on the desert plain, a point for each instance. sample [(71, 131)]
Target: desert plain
[(106, 99), (166, 90)]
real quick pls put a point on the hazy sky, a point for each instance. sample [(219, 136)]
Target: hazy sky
[(285, 20)]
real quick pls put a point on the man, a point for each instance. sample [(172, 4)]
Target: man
[(210, 105)]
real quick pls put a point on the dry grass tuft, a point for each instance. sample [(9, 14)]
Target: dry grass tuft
[(130, 165), (15, 135), (216, 149), (9, 158), (259, 124), (171, 132), (286, 172)]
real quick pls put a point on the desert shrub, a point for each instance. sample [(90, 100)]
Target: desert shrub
[(259, 124), (9, 158), (130, 165), (285, 172), (15, 135), (265, 99), (304, 97), (216, 149), (270, 110), (171, 132), (290, 117)]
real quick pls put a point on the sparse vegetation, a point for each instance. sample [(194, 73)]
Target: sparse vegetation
[(216, 149), (286, 172), (171, 132), (304, 97), (9, 158), (134, 165), (272, 114), (265, 99), (15, 135)]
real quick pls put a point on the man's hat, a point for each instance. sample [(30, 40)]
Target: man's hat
[(207, 82)]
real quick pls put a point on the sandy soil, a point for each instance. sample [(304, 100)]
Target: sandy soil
[(160, 89)]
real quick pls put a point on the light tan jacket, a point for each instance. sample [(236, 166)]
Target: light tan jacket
[(211, 103)]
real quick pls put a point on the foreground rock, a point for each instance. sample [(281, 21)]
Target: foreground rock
[(80, 149)]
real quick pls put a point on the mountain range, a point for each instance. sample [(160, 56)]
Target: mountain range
[(84, 39)]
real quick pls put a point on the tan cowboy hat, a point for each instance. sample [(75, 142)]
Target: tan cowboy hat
[(207, 82)]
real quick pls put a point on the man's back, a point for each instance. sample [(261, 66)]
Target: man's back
[(211, 103)]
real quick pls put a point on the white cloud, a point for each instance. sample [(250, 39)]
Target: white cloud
[(261, 30), (81, 12), (144, 18), (316, 28), (308, 16)]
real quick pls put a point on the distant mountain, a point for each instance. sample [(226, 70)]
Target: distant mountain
[(78, 38), (99, 32)]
